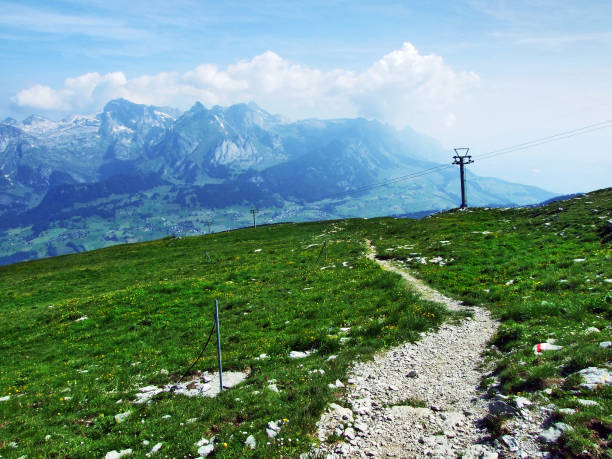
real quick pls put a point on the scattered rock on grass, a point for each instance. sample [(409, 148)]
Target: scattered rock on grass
[(156, 448), (552, 434), (117, 454), (201, 385), (299, 354), (521, 402), (595, 377), (206, 450), (251, 442), (273, 387), (274, 427), (585, 402), (119, 418), (205, 447)]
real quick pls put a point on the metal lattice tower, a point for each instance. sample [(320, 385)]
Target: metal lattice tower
[(461, 159)]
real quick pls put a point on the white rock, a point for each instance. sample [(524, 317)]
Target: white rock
[(257, 250), (595, 377), (332, 357), (585, 402), (156, 448), (148, 388), (119, 418), (567, 411), (299, 354), (510, 442), (80, 319), (521, 402), (590, 330), (202, 442), (340, 413), (117, 454), (271, 433), (343, 449), (273, 388), (6, 398), (452, 418), (349, 433), (579, 260), (251, 442), (274, 425), (605, 344), (206, 450), (361, 427), (552, 434)]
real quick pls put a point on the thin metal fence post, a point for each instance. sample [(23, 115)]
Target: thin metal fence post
[(218, 345)]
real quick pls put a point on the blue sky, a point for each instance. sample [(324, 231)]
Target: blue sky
[(486, 74)]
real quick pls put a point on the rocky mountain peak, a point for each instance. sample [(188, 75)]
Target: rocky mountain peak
[(10, 122)]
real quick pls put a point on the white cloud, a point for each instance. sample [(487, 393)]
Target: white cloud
[(403, 87)]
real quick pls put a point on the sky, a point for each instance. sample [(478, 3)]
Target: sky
[(470, 73)]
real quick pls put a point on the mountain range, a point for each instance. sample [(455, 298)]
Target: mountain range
[(135, 172)]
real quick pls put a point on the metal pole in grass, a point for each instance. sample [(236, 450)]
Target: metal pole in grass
[(323, 248), (218, 345)]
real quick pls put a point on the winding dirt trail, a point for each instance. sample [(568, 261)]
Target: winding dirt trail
[(417, 399)]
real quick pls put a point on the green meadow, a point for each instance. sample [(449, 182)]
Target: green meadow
[(83, 333)]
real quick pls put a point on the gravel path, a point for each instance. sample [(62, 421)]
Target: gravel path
[(420, 399)]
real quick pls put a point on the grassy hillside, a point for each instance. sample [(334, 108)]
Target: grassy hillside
[(149, 310), (542, 271), (546, 273)]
